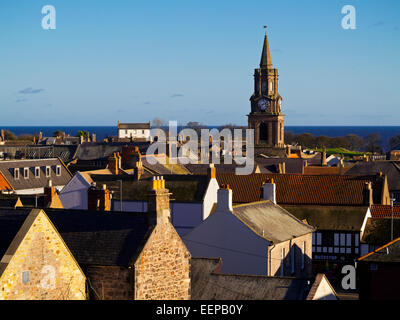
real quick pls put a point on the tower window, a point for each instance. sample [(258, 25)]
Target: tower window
[(271, 86)]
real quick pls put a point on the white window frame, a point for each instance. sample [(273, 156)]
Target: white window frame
[(37, 172), (58, 170), (16, 173), (26, 173), (48, 171)]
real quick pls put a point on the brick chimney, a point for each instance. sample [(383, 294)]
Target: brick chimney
[(158, 202), (269, 190), (94, 139), (136, 158), (224, 199), (49, 193), (98, 199), (368, 194), (114, 163)]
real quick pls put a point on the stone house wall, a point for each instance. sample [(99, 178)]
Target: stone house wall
[(296, 245), (39, 266), (162, 270)]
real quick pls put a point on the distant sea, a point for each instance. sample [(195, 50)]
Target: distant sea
[(386, 132)]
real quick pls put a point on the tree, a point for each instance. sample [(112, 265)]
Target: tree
[(84, 134), (373, 143), (394, 142), (57, 133), (8, 135), (355, 143), (158, 122)]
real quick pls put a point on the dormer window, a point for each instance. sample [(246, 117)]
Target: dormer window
[(58, 170), (48, 174), (26, 173), (16, 173), (37, 172)]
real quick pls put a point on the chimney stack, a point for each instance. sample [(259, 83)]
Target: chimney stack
[(323, 156), (158, 202), (49, 193), (269, 190), (224, 199), (98, 199), (211, 171), (114, 162), (368, 194)]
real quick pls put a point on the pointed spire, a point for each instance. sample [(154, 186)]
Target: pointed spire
[(266, 61)]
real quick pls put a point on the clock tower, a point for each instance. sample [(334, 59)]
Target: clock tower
[(266, 117)]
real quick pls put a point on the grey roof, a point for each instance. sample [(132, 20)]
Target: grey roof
[(378, 230), (271, 221), (387, 253), (345, 218), (185, 188), (390, 168), (271, 164), (65, 152), (145, 125), (94, 238), (7, 168), (220, 168), (210, 285), (102, 150)]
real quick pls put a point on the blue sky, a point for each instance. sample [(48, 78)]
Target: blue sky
[(194, 61)]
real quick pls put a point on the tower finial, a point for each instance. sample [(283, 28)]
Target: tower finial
[(266, 61)]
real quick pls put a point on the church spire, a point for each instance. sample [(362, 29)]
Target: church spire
[(266, 61)]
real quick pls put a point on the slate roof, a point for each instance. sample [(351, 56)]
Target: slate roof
[(338, 218), (390, 168), (271, 221), (390, 252), (7, 169), (222, 168), (209, 285), (185, 188), (377, 231), (271, 164), (102, 150), (304, 189), (94, 238), (65, 152), (145, 125)]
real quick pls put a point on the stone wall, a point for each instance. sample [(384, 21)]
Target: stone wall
[(38, 265), (162, 270), (294, 245), (110, 282)]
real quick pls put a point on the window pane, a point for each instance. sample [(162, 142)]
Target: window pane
[(342, 239), (348, 240), (336, 237), (319, 238), (356, 240)]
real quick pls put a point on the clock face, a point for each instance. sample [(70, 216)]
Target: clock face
[(263, 104)]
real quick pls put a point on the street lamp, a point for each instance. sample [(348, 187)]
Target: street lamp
[(392, 200)]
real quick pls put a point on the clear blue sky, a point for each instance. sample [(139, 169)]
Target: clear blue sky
[(194, 61)]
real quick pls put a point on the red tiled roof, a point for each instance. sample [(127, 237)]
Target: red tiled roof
[(303, 189), (382, 211)]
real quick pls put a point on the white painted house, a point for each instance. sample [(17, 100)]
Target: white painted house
[(259, 238), (136, 131)]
